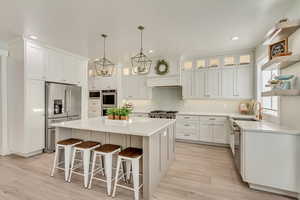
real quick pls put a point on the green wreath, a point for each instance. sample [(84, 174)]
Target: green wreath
[(162, 67)]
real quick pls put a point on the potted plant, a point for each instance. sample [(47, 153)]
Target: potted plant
[(111, 113), (117, 113), (124, 113)]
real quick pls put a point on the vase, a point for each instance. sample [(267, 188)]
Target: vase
[(124, 118), (110, 117)]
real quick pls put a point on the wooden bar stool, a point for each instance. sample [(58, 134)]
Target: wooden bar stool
[(133, 155), (66, 145), (107, 151), (85, 148)]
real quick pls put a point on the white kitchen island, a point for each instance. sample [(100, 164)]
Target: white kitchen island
[(155, 136)]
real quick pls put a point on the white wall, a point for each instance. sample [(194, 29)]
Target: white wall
[(170, 98), (289, 106)]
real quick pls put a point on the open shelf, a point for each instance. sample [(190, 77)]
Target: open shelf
[(293, 92), (281, 62), (281, 31)]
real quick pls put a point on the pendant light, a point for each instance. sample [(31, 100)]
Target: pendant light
[(103, 66), (141, 64)]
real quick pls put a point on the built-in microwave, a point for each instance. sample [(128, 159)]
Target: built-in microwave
[(109, 98), (94, 94)]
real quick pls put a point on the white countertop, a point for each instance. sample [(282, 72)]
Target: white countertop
[(268, 127), (234, 115), (134, 126)]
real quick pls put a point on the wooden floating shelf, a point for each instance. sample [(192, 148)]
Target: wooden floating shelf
[(281, 62), (293, 92), (281, 31)]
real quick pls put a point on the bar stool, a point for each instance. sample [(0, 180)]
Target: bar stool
[(133, 155), (107, 151), (67, 145), (85, 148)]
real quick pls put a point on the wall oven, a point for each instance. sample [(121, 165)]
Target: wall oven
[(94, 94), (109, 98)]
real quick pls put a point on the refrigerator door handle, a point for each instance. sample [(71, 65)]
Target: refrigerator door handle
[(65, 101)]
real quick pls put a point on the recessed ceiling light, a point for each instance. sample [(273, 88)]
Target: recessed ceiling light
[(33, 37), (235, 38), (150, 51)]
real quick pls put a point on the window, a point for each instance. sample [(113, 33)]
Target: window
[(188, 65), (200, 63), (245, 59), (214, 62), (270, 104), (229, 61)]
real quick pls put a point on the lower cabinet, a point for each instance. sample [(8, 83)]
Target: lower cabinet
[(203, 129)]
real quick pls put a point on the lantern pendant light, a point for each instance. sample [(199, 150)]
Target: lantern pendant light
[(141, 64), (103, 66)]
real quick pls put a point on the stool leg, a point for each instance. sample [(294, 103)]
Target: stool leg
[(72, 165), (55, 162), (136, 178), (93, 169), (102, 165), (128, 170), (108, 171), (67, 161), (86, 166), (117, 176)]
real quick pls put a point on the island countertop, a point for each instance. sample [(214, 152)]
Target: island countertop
[(134, 126)]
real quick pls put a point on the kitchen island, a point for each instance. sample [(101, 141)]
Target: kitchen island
[(155, 136)]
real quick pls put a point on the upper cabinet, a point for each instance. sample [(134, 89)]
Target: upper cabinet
[(44, 63), (135, 87), (36, 61), (222, 77)]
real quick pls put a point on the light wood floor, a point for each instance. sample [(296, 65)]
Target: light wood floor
[(199, 173)]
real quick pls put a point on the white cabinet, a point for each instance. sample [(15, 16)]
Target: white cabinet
[(72, 70), (135, 87), (220, 133), (213, 88), (187, 83), (199, 85), (228, 82), (244, 82), (36, 61), (208, 129), (206, 132), (35, 116), (104, 83), (55, 71), (237, 82)]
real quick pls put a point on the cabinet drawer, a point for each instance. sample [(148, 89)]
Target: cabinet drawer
[(186, 126), (187, 136), (94, 103), (212, 119), (187, 118)]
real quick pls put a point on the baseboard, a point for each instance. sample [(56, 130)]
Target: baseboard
[(199, 142), (30, 154), (274, 190)]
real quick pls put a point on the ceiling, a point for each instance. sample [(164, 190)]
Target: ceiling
[(177, 27)]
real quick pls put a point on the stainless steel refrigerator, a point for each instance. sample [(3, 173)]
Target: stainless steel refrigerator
[(63, 103)]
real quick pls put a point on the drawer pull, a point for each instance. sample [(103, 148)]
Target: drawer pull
[(186, 117), (186, 125), (187, 135), (212, 118)]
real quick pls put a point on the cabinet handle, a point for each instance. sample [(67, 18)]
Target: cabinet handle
[(186, 117), (186, 125), (212, 118)]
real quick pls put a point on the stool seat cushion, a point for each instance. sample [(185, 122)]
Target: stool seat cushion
[(70, 141), (131, 152), (87, 144), (107, 148)]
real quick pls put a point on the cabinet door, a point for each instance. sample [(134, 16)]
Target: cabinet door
[(244, 82), (228, 81), (187, 80), (36, 58), (206, 132), (214, 83), (220, 133), (199, 83), (70, 69), (35, 117), (55, 71), (144, 90)]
